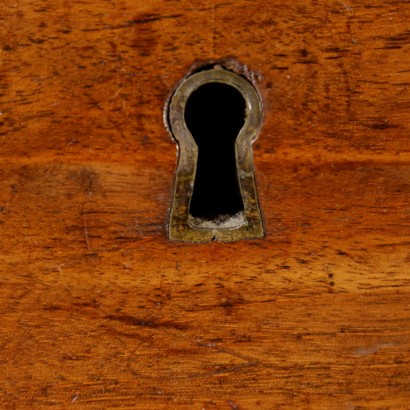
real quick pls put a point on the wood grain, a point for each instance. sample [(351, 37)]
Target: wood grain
[(100, 310)]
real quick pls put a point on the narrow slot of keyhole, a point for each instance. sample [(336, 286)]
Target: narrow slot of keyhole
[(214, 115)]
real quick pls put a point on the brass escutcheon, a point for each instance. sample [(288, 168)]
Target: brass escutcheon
[(246, 224)]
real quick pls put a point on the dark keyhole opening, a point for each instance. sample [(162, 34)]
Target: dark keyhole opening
[(214, 115)]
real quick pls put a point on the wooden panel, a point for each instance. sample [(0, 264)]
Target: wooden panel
[(100, 310)]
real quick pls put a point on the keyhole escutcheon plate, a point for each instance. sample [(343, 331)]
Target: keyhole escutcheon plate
[(245, 223)]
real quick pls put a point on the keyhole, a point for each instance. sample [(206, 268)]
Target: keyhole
[(214, 114)]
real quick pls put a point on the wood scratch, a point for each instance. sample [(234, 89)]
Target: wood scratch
[(85, 229), (199, 375), (220, 372), (230, 352)]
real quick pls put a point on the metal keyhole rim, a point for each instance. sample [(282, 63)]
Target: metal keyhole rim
[(179, 227)]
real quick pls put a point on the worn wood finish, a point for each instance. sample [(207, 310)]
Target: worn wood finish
[(100, 310)]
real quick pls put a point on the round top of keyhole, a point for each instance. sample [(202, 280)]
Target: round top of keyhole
[(215, 111), (239, 108)]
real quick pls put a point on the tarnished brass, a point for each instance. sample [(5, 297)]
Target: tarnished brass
[(244, 225)]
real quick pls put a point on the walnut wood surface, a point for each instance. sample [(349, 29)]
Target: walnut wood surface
[(100, 310)]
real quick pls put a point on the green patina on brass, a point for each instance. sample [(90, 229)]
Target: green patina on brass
[(244, 225)]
